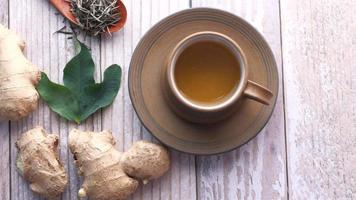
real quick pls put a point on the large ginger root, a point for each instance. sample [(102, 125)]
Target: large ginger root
[(110, 174), (39, 164), (18, 78)]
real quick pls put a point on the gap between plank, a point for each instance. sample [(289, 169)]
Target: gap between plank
[(195, 157), (9, 132), (9, 128), (283, 98)]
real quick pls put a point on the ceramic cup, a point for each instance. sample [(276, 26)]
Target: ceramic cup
[(200, 113)]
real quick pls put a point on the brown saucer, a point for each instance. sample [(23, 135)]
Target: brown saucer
[(150, 58)]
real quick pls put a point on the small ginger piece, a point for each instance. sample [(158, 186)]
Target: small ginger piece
[(18, 77), (39, 164), (110, 174), (145, 161)]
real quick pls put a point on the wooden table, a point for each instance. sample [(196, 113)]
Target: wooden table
[(306, 151)]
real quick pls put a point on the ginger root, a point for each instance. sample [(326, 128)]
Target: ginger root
[(110, 174), (38, 162), (145, 161), (18, 78)]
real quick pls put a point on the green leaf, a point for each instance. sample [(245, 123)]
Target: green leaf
[(79, 72), (101, 94), (59, 98), (80, 96)]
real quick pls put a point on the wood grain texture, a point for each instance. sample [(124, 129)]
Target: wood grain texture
[(180, 182), (319, 45), (4, 128), (257, 170), (4, 161)]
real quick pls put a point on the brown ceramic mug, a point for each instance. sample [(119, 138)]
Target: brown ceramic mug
[(200, 113)]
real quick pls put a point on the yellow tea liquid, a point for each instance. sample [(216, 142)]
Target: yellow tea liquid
[(207, 72)]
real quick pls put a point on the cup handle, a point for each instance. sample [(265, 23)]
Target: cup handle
[(258, 93)]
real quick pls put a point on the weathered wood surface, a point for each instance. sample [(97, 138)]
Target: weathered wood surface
[(319, 45), (4, 130), (311, 130), (257, 170)]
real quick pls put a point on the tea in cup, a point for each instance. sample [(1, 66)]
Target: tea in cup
[(207, 75)]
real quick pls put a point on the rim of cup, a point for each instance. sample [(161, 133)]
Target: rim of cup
[(222, 39)]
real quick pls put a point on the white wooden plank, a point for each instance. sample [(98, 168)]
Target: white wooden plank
[(179, 183), (257, 170), (319, 45), (4, 15), (36, 23), (21, 23), (4, 129), (4, 161)]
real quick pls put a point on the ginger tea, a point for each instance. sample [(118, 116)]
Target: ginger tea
[(207, 72)]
